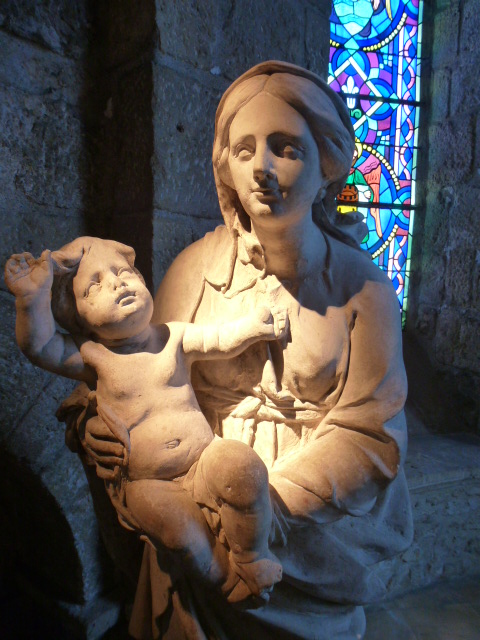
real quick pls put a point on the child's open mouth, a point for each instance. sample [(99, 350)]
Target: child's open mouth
[(126, 298)]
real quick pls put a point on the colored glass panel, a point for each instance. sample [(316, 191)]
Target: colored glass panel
[(375, 65)]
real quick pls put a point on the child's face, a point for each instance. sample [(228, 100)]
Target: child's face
[(112, 300)]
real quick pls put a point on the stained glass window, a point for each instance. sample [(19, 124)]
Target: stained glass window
[(375, 63)]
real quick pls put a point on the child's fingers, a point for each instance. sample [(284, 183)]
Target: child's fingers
[(17, 262), (46, 260)]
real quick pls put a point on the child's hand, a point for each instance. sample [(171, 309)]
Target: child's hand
[(27, 276), (273, 322)]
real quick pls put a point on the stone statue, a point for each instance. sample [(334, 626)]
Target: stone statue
[(140, 377), (322, 405)]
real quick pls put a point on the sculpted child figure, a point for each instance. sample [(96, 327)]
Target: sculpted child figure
[(141, 377)]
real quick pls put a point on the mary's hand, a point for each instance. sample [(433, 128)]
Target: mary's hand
[(108, 451)]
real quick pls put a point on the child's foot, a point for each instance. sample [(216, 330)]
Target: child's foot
[(259, 575)]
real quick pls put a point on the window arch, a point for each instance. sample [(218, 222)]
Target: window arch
[(375, 48)]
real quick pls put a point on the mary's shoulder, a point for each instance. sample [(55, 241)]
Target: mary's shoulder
[(182, 285), (361, 279), (355, 265)]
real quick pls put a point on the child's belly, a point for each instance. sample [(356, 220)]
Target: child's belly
[(163, 448)]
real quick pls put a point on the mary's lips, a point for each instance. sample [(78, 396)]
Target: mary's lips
[(266, 193)]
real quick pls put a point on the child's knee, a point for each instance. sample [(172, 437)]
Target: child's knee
[(235, 474)]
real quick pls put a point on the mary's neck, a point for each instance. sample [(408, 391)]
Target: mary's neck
[(291, 250)]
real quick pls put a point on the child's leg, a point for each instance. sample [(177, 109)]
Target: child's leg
[(170, 517), (237, 480)]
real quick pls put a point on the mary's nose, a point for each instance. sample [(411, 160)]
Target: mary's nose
[(263, 167)]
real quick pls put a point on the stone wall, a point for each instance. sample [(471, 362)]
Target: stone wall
[(42, 190), (444, 318), (67, 169)]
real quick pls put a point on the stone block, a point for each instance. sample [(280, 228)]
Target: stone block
[(231, 37), (476, 159), (59, 25), (426, 321), (464, 94), (191, 31), (21, 383), (458, 340), (184, 117), (463, 215), (445, 39), (317, 36), (468, 40), (443, 476), (440, 97), (172, 233), (38, 71), (460, 273), (255, 32), (43, 155), (451, 151)]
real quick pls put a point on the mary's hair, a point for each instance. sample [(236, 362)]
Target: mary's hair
[(322, 109), (66, 262)]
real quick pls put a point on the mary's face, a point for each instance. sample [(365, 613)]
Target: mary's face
[(274, 161)]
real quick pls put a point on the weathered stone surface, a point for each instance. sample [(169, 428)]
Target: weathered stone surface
[(37, 71), (192, 31), (172, 233), (459, 279), (184, 115), (458, 340), (468, 39), (441, 91), (271, 30), (43, 159), (445, 41), (462, 99), (59, 25), (221, 36), (451, 150), (317, 29), (443, 477)]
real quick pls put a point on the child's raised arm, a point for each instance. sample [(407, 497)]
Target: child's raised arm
[(30, 281), (231, 338)]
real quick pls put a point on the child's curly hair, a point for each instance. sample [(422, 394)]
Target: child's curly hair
[(66, 262)]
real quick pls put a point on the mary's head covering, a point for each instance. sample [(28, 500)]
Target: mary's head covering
[(329, 122)]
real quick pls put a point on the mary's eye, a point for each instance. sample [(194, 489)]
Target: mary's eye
[(124, 270), (290, 151), (243, 152)]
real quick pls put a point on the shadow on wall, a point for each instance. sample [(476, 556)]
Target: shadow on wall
[(42, 545), (118, 123), (444, 401)]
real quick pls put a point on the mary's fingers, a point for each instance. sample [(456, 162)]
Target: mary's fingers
[(105, 473), (99, 447), (107, 461)]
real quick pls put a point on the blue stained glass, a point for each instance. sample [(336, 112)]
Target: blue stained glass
[(375, 64)]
